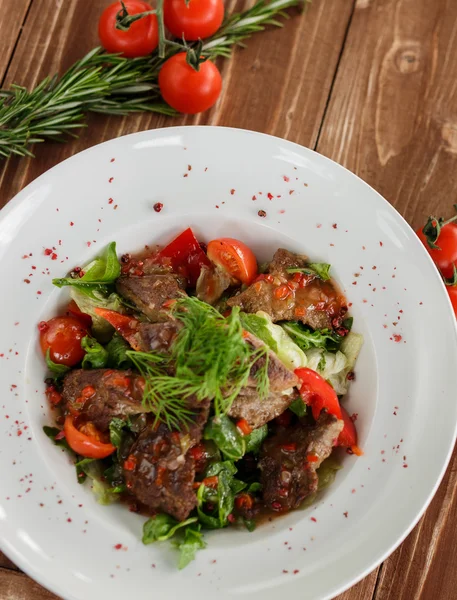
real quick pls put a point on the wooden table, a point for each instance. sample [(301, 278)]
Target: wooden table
[(369, 83)]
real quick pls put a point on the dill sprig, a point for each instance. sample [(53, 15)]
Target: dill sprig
[(110, 84), (210, 359)]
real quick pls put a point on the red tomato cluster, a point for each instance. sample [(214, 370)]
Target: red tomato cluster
[(183, 87), (440, 240)]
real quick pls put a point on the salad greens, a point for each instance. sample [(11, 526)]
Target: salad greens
[(117, 349), (258, 326), (103, 270), (255, 438), (224, 433), (58, 370), (90, 298), (286, 349), (96, 356), (306, 338)]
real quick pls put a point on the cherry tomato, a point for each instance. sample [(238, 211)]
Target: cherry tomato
[(62, 337), (194, 19), (140, 39), (452, 291), (187, 90), (235, 257), (87, 444), (348, 437), (446, 257), (319, 394)]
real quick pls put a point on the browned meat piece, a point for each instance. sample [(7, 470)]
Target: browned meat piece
[(258, 411), (211, 284), (114, 394), (160, 471), (281, 378), (284, 259), (313, 301), (163, 474), (158, 337), (150, 292), (287, 475)]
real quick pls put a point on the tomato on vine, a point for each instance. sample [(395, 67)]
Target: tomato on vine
[(189, 89), (193, 19), (440, 239), (130, 28)]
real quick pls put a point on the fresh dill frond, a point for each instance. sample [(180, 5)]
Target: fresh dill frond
[(211, 349), (209, 359)]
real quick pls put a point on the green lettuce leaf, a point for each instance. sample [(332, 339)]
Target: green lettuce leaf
[(188, 547), (298, 407), (162, 527), (258, 326), (58, 370), (322, 270), (96, 356), (224, 433), (90, 299), (117, 349), (255, 438), (286, 349), (103, 270), (306, 338), (223, 497)]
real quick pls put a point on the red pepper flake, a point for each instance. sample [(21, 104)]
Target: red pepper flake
[(286, 178), (305, 184), (270, 196), (118, 547), (332, 245), (354, 417), (112, 160), (47, 251), (363, 248), (335, 226), (232, 191), (254, 197), (285, 571), (296, 571), (68, 520), (214, 561), (110, 201), (381, 244), (186, 175), (110, 180), (282, 211), (115, 207), (291, 192), (397, 338), (189, 167), (26, 280), (313, 519), (319, 225), (346, 514), (39, 293), (217, 205), (158, 206), (53, 256), (261, 213), (19, 433)]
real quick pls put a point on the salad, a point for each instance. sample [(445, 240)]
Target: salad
[(199, 388)]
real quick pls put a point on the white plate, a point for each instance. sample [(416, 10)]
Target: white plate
[(216, 180)]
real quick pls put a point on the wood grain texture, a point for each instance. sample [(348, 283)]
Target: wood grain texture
[(392, 117), (13, 12), (278, 85), (17, 586)]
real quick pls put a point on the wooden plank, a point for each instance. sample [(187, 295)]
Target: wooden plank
[(17, 586), (13, 12), (6, 563), (424, 565), (363, 590), (395, 125), (279, 65)]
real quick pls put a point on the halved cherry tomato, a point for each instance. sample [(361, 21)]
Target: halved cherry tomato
[(444, 257), (86, 444), (187, 90), (193, 19), (126, 325), (73, 311), (185, 256), (140, 39), (348, 437), (319, 394), (62, 337), (235, 257)]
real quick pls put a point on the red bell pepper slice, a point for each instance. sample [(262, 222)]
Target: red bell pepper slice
[(185, 256), (85, 445), (126, 325), (320, 395)]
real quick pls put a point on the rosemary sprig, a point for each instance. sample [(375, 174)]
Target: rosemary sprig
[(111, 84), (210, 359)]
